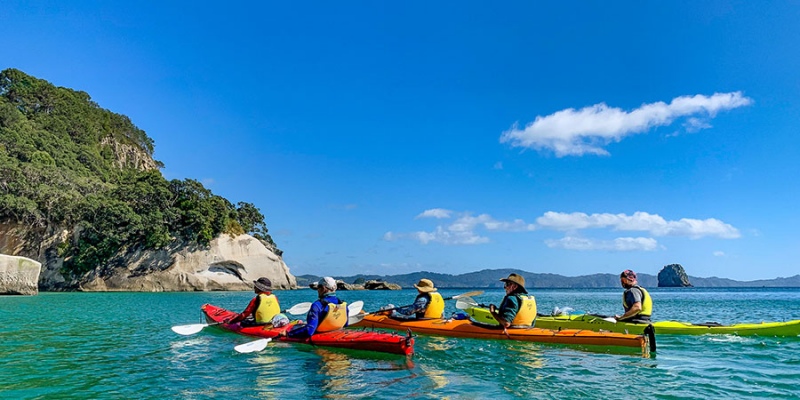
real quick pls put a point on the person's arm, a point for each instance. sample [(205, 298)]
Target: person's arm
[(420, 304), (636, 307), (251, 308), (312, 322), (507, 310)]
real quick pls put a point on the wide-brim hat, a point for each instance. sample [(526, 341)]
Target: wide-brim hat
[(518, 279), (425, 285), (262, 284)]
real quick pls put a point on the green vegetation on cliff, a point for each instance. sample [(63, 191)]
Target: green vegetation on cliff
[(66, 162)]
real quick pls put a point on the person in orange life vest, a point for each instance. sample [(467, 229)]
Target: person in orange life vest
[(427, 304), (319, 317), (515, 288), (261, 308)]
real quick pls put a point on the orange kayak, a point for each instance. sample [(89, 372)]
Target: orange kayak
[(467, 329)]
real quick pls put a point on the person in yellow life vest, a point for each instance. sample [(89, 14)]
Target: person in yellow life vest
[(427, 304), (518, 308), (327, 314), (261, 308), (636, 301)]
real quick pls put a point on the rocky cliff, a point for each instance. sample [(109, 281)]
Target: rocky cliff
[(227, 263), (673, 275)]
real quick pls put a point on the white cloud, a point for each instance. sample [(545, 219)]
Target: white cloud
[(618, 244), (462, 230), (586, 131), (639, 221), (719, 253), (435, 213)]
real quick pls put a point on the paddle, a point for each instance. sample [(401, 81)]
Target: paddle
[(253, 346), (191, 329), (354, 319)]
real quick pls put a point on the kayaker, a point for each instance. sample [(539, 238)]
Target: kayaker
[(428, 303), (636, 301), (261, 308), (518, 308), (327, 314)]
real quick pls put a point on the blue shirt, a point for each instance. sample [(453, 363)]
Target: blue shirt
[(315, 314), (416, 310)]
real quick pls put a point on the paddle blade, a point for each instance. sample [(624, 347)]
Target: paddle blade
[(354, 308), (188, 329), (253, 346), (609, 319), (468, 294), (301, 308), (354, 319), (465, 303)]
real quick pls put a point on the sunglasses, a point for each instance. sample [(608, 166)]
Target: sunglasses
[(507, 284)]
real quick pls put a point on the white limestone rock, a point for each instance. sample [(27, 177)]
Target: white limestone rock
[(19, 275), (229, 263)]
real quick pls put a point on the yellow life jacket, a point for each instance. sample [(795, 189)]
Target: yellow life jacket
[(335, 318), (268, 307), (647, 302), (527, 311), (435, 306)]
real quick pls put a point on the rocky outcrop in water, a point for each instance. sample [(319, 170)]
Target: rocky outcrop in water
[(228, 263), (366, 285), (673, 275), (19, 275)]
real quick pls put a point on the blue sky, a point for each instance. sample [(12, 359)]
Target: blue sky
[(375, 137)]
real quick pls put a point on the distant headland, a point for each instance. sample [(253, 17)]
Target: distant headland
[(488, 278)]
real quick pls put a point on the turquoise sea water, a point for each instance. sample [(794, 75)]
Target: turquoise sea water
[(120, 346)]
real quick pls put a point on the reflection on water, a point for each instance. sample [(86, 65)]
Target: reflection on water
[(268, 382), (337, 369)]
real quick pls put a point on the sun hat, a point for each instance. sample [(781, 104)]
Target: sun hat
[(263, 285), (425, 286), (518, 279), (328, 283)]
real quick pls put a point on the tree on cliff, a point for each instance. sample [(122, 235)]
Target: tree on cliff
[(67, 163)]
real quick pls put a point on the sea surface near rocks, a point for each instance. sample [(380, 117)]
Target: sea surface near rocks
[(119, 345)]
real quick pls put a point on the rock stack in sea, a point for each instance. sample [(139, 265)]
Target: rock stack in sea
[(673, 275)]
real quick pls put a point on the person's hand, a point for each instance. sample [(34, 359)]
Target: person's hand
[(617, 317), (492, 308)]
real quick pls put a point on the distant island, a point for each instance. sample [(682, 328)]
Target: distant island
[(488, 278)]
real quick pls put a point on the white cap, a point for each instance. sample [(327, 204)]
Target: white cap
[(327, 282)]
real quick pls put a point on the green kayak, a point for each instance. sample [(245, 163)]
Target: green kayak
[(604, 323)]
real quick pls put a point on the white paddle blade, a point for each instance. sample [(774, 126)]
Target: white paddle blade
[(188, 329), (301, 308), (354, 308), (465, 303), (610, 319), (354, 319), (250, 347)]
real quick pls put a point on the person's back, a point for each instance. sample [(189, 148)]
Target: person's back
[(262, 308), (428, 304), (327, 313)]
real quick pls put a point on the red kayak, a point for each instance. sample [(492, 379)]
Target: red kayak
[(347, 339)]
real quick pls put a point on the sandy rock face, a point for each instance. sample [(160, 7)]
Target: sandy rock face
[(19, 275), (229, 263)]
